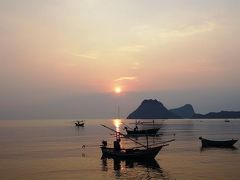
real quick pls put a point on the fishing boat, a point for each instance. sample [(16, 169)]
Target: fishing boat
[(79, 123), (144, 131), (146, 123), (141, 152), (137, 132), (211, 143), (132, 153)]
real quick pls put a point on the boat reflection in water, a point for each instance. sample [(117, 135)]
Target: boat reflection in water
[(233, 148), (133, 168)]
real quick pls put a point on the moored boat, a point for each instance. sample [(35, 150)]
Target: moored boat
[(144, 132), (146, 153), (79, 123), (213, 143), (141, 152)]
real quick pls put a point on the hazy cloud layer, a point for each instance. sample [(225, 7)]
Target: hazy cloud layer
[(64, 58)]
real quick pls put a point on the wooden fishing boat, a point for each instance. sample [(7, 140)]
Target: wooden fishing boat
[(146, 153), (211, 143), (152, 131), (79, 123), (146, 123), (141, 152)]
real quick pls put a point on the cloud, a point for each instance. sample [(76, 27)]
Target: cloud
[(188, 30), (153, 33), (126, 78), (88, 55)]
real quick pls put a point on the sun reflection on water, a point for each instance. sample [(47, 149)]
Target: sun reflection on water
[(117, 123)]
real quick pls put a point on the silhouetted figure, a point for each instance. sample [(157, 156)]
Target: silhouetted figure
[(116, 145), (104, 143), (136, 128)]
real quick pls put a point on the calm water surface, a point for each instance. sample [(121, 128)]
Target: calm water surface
[(52, 149)]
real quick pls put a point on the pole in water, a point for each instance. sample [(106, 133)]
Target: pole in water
[(118, 111), (147, 141), (124, 135)]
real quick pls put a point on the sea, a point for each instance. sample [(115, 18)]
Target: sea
[(56, 149)]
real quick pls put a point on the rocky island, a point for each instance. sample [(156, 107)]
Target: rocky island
[(154, 109)]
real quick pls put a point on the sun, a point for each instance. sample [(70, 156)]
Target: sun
[(118, 90)]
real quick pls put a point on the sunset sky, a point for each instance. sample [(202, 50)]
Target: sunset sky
[(65, 58)]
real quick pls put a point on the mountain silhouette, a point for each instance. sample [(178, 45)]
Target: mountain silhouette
[(185, 111), (152, 109), (218, 115)]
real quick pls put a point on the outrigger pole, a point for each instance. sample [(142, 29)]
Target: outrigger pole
[(124, 135), (127, 125), (163, 143)]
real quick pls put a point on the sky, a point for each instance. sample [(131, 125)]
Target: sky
[(64, 59)]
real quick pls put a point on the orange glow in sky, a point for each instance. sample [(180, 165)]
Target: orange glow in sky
[(120, 49), (118, 90)]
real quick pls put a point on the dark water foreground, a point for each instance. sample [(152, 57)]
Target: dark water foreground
[(52, 149)]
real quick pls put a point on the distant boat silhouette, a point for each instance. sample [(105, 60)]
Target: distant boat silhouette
[(211, 143), (137, 132), (142, 132), (79, 123)]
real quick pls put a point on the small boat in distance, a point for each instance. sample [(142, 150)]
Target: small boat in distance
[(226, 120), (149, 131), (212, 143), (146, 123), (79, 123), (144, 132), (141, 152)]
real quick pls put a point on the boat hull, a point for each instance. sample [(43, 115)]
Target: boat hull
[(131, 153), (211, 143), (78, 125), (143, 132)]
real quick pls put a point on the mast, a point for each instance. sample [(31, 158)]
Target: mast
[(147, 140), (118, 111), (123, 135)]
